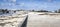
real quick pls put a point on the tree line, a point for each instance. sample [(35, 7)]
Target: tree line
[(7, 11), (56, 11), (4, 11)]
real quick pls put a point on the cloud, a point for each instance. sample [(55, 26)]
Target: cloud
[(21, 4), (49, 0), (14, 0), (10, 0), (11, 4)]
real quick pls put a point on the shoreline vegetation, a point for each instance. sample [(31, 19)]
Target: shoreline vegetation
[(7, 11), (40, 12)]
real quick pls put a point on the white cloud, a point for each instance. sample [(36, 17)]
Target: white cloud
[(49, 0), (9, 0), (8, 3), (22, 4), (13, 0), (4, 0)]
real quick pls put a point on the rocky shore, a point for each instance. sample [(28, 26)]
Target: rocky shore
[(12, 20)]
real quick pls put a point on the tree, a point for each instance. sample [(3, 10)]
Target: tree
[(14, 11), (3, 11), (55, 11), (42, 11), (33, 10), (58, 10)]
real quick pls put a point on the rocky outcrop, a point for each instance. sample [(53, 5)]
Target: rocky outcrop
[(12, 21)]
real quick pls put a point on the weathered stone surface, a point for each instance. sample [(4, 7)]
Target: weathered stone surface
[(35, 20), (12, 21)]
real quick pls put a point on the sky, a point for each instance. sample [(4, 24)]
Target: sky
[(30, 4)]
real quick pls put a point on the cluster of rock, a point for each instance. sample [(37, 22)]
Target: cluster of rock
[(14, 20)]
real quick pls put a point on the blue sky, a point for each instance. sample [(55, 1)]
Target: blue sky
[(30, 4)]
